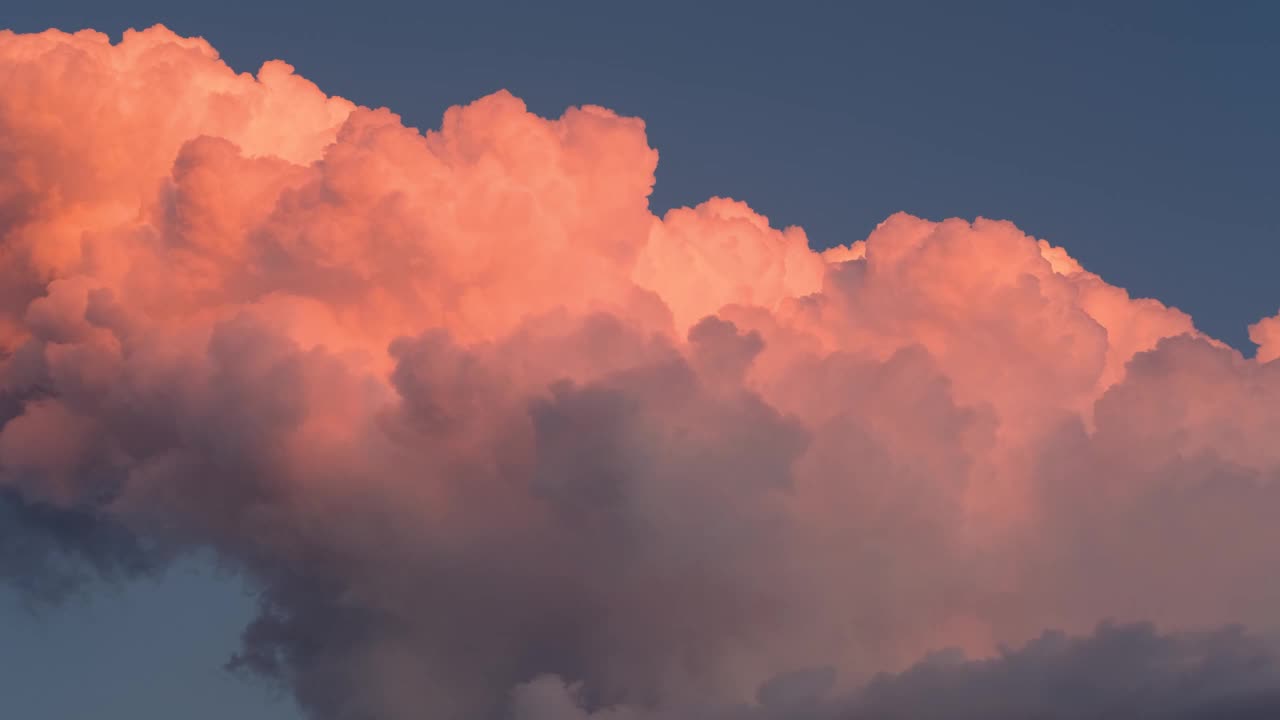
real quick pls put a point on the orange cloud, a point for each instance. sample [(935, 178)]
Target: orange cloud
[(471, 414), (1266, 335)]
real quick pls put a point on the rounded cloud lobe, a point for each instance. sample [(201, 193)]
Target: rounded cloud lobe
[(494, 440)]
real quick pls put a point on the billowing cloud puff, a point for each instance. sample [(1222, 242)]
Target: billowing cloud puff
[(493, 439), (1266, 335)]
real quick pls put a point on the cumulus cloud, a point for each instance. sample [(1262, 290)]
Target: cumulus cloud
[(1266, 335), (492, 438), (1117, 672)]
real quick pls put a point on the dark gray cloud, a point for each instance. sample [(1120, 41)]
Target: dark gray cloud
[(1119, 672), (47, 553)]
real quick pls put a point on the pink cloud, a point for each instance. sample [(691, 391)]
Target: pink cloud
[(472, 415)]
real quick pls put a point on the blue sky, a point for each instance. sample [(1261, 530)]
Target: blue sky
[(1142, 137)]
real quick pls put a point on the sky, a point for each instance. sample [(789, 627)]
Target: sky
[(1138, 137)]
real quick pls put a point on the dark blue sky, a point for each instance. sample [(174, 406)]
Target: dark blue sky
[(1141, 136)]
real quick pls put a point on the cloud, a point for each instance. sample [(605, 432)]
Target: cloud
[(1118, 671), (46, 552), (469, 415), (1266, 335)]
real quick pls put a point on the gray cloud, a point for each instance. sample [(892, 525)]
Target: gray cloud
[(1117, 672), (48, 553)]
